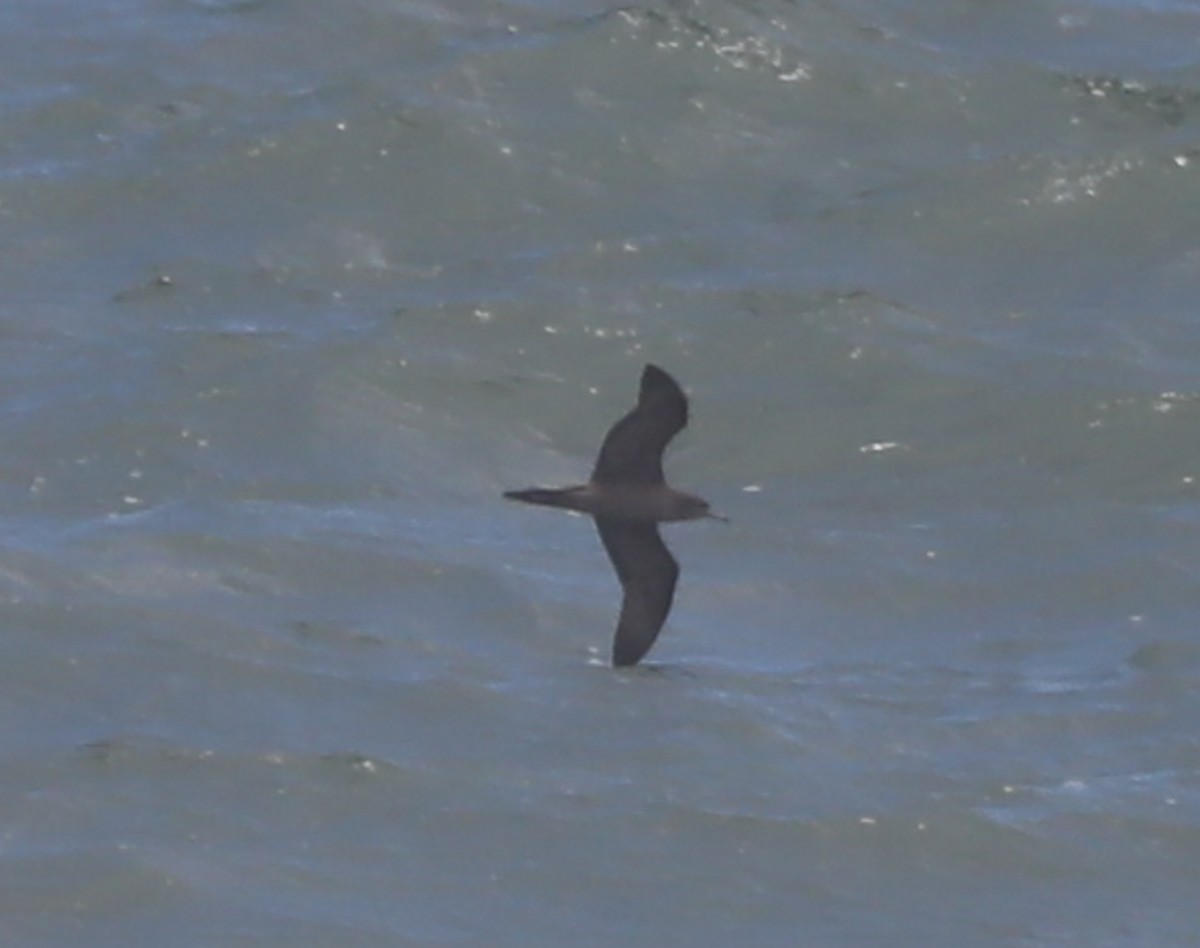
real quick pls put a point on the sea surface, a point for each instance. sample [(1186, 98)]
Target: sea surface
[(290, 292)]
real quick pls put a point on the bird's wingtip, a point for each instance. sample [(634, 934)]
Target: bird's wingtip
[(658, 380)]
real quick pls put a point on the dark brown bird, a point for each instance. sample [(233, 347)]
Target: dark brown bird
[(628, 497)]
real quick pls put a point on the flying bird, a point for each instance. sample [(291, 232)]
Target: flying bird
[(628, 497)]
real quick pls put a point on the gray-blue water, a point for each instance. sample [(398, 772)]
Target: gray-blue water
[(290, 292)]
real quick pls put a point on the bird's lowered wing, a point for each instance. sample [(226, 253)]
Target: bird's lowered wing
[(647, 572)]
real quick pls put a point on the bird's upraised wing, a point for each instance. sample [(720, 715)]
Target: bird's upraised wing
[(633, 448)]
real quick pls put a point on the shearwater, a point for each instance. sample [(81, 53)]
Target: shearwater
[(628, 497)]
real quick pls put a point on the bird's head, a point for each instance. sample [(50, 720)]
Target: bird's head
[(692, 507)]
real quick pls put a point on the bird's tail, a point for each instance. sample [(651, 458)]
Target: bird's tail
[(544, 496)]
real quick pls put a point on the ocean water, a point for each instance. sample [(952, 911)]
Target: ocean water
[(293, 291)]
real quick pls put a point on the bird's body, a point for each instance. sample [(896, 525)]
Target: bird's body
[(628, 497), (650, 504)]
